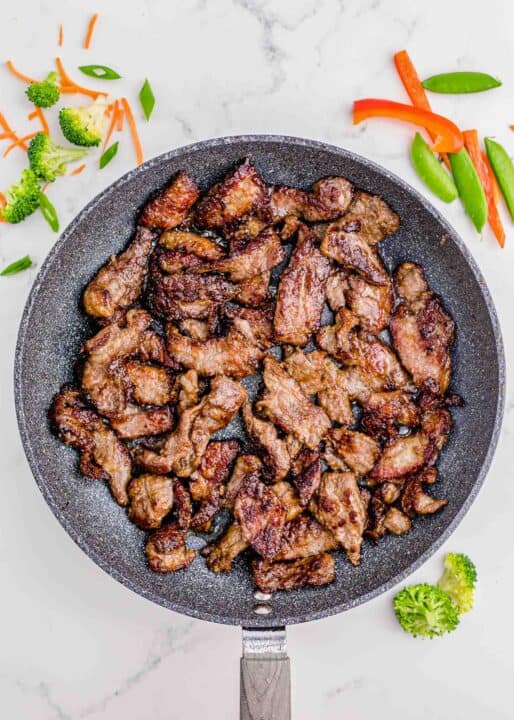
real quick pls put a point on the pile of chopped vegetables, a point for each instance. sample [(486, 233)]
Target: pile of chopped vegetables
[(433, 610), (86, 127), (454, 165)]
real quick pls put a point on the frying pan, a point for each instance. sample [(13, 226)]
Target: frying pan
[(53, 328)]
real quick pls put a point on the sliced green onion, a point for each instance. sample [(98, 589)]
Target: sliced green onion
[(49, 212), (17, 266), (147, 99), (461, 82), (102, 72), (108, 155)]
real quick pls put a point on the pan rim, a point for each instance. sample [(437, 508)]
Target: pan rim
[(139, 588)]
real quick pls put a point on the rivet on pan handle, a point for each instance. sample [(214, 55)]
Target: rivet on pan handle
[(265, 675)]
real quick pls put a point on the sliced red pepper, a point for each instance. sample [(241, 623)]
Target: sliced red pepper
[(415, 90), (473, 147), (448, 136)]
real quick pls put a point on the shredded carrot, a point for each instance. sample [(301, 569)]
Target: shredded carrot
[(90, 30), (511, 127), (19, 142), (78, 169), (67, 85), (133, 130), (32, 115), (60, 36), (119, 124), (3, 203), (42, 119), (17, 73), (494, 181), (114, 120), (7, 136)]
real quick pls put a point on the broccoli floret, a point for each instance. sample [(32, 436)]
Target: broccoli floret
[(425, 610), (22, 198), (83, 125), (458, 580), (47, 159), (45, 93)]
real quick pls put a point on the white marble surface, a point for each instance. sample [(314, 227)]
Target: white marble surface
[(73, 643)]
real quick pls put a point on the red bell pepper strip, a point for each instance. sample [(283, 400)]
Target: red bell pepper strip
[(448, 136), (473, 147), (415, 90)]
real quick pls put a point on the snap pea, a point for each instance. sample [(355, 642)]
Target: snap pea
[(17, 266), (461, 82), (431, 171), (503, 169), (470, 188), (49, 212)]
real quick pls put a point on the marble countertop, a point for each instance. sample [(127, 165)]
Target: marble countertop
[(74, 643)]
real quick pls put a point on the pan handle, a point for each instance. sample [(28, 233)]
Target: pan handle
[(265, 675)]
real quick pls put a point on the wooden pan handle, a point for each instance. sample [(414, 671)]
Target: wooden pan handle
[(265, 676)]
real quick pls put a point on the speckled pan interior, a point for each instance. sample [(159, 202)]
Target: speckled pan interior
[(53, 328)]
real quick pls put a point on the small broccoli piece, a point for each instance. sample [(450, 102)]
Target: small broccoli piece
[(83, 125), (47, 159), (425, 610), (45, 93), (22, 198), (458, 580)]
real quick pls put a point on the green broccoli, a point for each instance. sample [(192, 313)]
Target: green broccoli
[(83, 125), (425, 610), (458, 580), (45, 93), (47, 159), (22, 198)]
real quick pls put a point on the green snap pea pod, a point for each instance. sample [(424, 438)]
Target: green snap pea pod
[(49, 212), (461, 82), (503, 169), (470, 188), (431, 171)]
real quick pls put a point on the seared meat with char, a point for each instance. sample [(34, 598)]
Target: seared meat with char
[(369, 398), (261, 516), (240, 192), (184, 448), (344, 243), (303, 537), (301, 292), (285, 405), (102, 455), (259, 255), (422, 331), (206, 482), (264, 439), (151, 499), (170, 207), (166, 550), (375, 217), (118, 283), (339, 507), (272, 576)]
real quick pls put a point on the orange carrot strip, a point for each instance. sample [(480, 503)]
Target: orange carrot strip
[(78, 170), (69, 86), (17, 73), (119, 124), (32, 115), (19, 142), (496, 187), (7, 136), (473, 147), (3, 203), (112, 125), (415, 90), (5, 125), (60, 37), (42, 119), (90, 30), (133, 130)]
